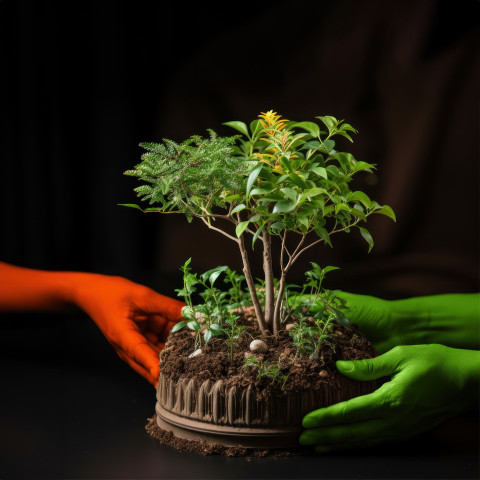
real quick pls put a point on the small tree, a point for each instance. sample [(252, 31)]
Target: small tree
[(278, 178)]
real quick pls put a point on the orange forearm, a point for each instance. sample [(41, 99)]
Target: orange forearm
[(24, 289)]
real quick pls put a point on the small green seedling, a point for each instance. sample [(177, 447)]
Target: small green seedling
[(271, 370)]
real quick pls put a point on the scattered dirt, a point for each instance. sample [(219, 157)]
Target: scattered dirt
[(204, 448)]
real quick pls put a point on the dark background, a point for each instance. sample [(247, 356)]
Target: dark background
[(84, 83)]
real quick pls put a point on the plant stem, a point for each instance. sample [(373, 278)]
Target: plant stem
[(269, 285), (278, 304), (251, 285)]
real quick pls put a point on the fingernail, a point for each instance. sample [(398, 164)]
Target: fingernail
[(345, 365), (306, 439)]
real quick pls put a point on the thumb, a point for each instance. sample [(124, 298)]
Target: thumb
[(368, 369)]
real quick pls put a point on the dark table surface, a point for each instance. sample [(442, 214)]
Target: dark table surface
[(70, 408)]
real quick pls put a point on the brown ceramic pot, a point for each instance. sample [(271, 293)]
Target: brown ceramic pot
[(238, 416)]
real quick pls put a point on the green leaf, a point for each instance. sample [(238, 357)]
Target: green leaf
[(310, 127), (252, 177), (178, 326), (207, 335), (239, 208), (363, 166), (323, 234), (193, 325), (131, 205), (278, 226), (256, 127), (329, 121), (296, 180), (329, 145), (329, 268), (240, 126), (290, 193), (231, 197), (361, 197), (218, 271), (241, 228), (216, 329), (342, 206), (386, 210), (320, 171), (357, 212), (284, 206), (313, 192), (260, 191), (255, 236), (368, 238)]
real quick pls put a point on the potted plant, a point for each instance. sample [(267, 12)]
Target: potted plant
[(248, 361)]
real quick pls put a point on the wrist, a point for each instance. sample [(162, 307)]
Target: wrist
[(449, 319)]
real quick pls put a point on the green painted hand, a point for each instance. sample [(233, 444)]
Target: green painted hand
[(429, 384), (452, 320)]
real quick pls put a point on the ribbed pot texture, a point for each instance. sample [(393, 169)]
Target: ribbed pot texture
[(233, 415)]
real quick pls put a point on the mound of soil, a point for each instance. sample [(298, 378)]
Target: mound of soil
[(294, 372)]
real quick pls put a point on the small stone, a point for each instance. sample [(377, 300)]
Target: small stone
[(323, 374), (289, 327), (338, 333), (311, 319), (192, 333), (196, 353), (248, 354), (258, 346)]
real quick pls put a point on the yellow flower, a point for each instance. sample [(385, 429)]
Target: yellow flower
[(273, 120)]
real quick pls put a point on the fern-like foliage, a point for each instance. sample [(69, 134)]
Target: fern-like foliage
[(189, 176)]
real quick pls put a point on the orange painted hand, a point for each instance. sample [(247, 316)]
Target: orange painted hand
[(135, 319)]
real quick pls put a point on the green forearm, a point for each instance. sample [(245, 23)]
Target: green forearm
[(452, 320)]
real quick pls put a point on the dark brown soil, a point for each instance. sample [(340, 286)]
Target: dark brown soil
[(301, 371), (298, 373)]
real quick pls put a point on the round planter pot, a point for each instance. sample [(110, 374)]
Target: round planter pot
[(241, 416)]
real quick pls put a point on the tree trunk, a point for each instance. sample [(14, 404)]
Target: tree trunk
[(251, 285), (278, 304), (269, 285)]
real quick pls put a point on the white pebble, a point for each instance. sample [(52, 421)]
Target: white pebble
[(258, 346), (195, 353)]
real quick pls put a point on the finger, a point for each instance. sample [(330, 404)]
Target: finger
[(136, 346), (370, 369), (145, 355), (161, 326), (349, 434), (358, 409), (168, 308), (138, 368)]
